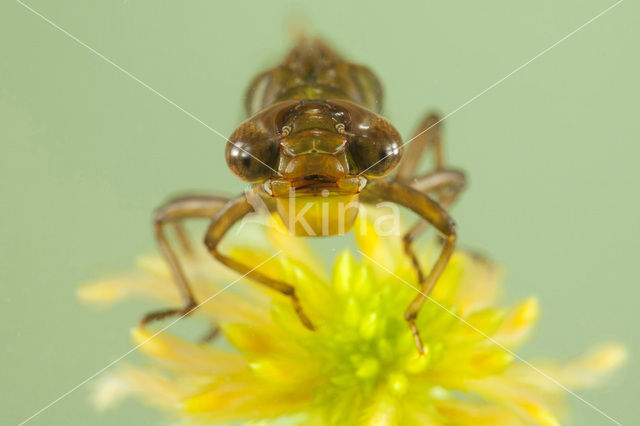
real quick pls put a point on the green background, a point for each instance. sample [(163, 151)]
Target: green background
[(87, 153)]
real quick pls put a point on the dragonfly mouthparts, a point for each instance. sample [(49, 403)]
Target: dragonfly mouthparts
[(311, 185)]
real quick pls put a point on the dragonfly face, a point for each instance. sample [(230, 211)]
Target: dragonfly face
[(314, 158)]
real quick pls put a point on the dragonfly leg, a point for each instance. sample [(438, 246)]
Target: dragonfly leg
[(183, 238), (444, 183), (430, 211), (233, 212), (211, 334), (427, 136), (449, 184), (173, 212)]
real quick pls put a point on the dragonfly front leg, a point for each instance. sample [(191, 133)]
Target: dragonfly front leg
[(430, 211), (233, 212), (182, 235), (173, 213)]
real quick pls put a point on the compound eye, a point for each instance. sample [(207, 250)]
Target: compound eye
[(252, 156), (376, 148)]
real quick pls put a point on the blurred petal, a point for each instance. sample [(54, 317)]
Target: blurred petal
[(190, 358), (151, 387), (518, 323), (479, 287), (586, 371)]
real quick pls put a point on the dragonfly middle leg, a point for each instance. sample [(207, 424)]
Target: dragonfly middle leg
[(447, 184)]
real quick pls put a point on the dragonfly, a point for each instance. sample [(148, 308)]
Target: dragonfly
[(314, 143)]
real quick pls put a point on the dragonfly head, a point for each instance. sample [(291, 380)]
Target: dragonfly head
[(314, 151)]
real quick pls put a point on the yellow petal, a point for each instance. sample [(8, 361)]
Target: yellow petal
[(526, 401), (468, 413), (479, 285), (447, 286), (285, 371), (343, 271), (186, 356), (113, 290), (541, 415), (109, 390), (477, 325), (152, 387), (154, 265), (312, 289), (586, 371), (252, 257), (385, 251), (518, 323), (294, 247), (250, 339), (246, 400)]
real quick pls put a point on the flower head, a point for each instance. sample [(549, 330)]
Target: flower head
[(361, 365)]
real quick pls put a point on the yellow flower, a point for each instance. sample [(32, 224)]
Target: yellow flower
[(361, 365)]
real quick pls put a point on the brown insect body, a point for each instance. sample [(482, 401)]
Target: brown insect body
[(315, 143), (312, 70), (315, 130)]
